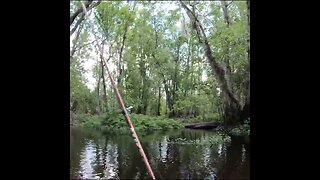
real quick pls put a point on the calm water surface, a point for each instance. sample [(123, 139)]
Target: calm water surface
[(184, 154)]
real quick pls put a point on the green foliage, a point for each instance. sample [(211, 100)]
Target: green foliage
[(93, 122), (243, 130), (115, 122), (217, 139), (213, 139), (161, 51), (82, 99), (149, 123), (212, 117)]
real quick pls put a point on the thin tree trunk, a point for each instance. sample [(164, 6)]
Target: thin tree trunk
[(77, 24), (144, 93), (73, 50), (120, 70), (248, 17), (168, 99), (78, 11), (159, 101), (175, 83), (98, 96), (71, 114), (104, 87), (187, 70)]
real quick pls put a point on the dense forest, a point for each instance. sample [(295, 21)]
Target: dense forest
[(174, 62)]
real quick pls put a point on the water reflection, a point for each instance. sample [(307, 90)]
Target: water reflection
[(172, 156)]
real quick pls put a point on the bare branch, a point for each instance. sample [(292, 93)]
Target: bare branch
[(195, 17), (82, 17), (78, 11), (230, 3), (74, 45), (87, 44), (89, 5), (77, 24)]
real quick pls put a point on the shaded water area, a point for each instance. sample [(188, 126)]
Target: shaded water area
[(180, 154)]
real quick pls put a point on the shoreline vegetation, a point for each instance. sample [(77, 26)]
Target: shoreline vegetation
[(116, 123)]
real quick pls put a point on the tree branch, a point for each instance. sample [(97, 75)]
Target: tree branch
[(196, 19), (74, 45), (78, 11), (89, 5), (230, 3), (77, 24), (87, 44)]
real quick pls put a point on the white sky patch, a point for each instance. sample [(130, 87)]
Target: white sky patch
[(219, 91), (88, 66)]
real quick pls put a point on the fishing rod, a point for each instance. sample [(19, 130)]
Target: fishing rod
[(134, 134), (121, 103)]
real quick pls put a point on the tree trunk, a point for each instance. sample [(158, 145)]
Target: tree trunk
[(175, 84), (71, 114), (232, 108), (104, 87), (98, 96), (74, 46), (168, 99), (120, 70), (144, 96), (187, 72), (228, 70), (144, 91), (159, 101), (246, 109)]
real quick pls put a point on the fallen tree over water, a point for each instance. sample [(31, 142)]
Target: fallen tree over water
[(206, 125)]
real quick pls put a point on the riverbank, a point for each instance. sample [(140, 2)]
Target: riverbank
[(115, 122)]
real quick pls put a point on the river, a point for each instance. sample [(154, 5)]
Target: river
[(179, 154)]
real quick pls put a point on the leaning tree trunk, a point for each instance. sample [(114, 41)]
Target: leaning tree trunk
[(228, 73), (232, 107), (228, 70), (88, 5), (246, 109), (74, 46), (78, 25)]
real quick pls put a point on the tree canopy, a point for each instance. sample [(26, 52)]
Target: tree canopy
[(184, 59)]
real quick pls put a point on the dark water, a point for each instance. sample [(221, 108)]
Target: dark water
[(183, 154)]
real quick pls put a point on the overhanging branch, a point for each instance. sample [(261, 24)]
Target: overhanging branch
[(89, 5), (78, 11)]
